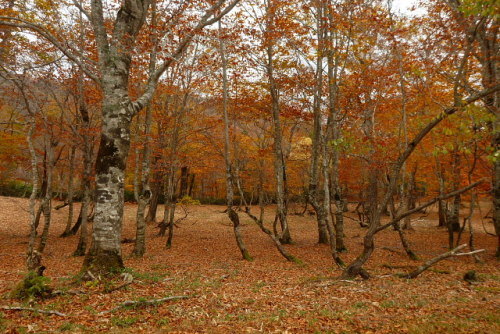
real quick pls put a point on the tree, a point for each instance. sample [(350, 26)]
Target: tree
[(115, 50)]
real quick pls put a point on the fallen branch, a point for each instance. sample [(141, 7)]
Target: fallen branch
[(68, 292), (143, 303), (438, 258), (19, 308), (429, 203)]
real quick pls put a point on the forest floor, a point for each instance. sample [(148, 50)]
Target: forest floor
[(226, 294)]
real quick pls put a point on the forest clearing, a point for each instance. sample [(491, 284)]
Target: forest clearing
[(226, 294), (227, 166)]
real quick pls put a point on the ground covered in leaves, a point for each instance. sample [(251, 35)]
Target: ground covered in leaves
[(226, 294)]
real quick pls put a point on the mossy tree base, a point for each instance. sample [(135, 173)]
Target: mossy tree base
[(103, 263)]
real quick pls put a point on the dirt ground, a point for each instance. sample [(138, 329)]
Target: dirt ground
[(226, 294)]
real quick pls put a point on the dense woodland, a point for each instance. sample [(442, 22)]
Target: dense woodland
[(345, 113)]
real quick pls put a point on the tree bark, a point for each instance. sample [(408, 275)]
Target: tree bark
[(183, 188), (47, 200), (233, 215), (71, 172), (156, 190), (317, 137), (33, 261), (279, 159), (105, 253)]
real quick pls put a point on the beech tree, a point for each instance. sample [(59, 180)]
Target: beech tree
[(115, 49)]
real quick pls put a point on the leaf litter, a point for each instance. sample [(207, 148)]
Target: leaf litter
[(268, 295)]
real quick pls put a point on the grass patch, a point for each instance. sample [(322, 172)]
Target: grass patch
[(3, 322), (33, 286), (70, 327), (489, 277), (388, 304), (359, 305), (257, 286), (439, 271), (433, 324), (163, 323), (124, 322), (147, 276), (489, 289)]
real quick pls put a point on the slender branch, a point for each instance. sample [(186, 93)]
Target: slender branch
[(20, 308), (429, 203), (81, 9), (42, 31), (207, 19), (429, 263), (418, 138)]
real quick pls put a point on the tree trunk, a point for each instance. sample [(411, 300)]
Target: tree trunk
[(105, 254), (233, 215), (88, 149), (191, 184), (145, 191), (170, 204), (279, 159), (317, 137), (71, 172), (183, 188), (442, 207), (404, 240), (336, 137), (84, 211), (155, 197), (454, 214), (33, 261), (47, 201)]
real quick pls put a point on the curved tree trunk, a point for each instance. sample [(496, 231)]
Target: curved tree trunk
[(233, 215)]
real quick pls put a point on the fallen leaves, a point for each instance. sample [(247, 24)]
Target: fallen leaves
[(268, 295)]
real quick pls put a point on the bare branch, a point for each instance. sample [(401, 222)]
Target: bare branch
[(207, 19), (81, 9), (429, 203), (429, 263), (421, 135), (68, 51)]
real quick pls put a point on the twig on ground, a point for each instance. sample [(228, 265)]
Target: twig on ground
[(143, 303), (19, 308)]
